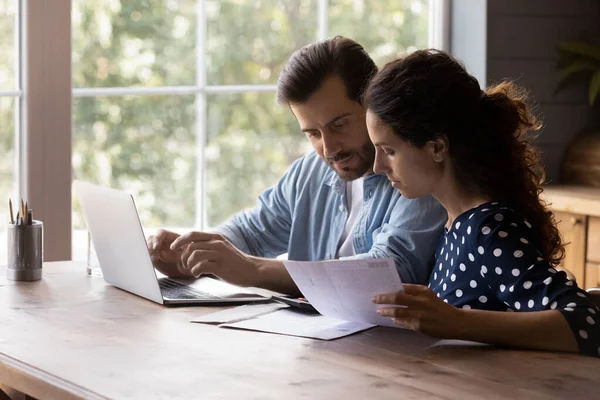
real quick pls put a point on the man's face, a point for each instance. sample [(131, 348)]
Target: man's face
[(336, 127)]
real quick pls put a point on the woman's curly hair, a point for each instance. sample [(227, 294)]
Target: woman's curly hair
[(428, 94)]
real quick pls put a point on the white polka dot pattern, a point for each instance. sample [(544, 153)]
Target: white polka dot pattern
[(488, 262)]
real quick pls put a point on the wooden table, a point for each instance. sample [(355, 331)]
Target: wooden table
[(71, 336)]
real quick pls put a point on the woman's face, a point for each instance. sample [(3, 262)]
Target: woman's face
[(415, 172)]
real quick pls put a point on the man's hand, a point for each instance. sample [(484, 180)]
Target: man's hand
[(210, 253), (422, 311), (165, 260)]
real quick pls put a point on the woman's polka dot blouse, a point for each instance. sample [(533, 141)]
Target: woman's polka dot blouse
[(487, 261)]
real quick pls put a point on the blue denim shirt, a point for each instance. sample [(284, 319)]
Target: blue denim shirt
[(305, 213)]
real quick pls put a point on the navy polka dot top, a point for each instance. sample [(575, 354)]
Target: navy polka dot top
[(486, 261)]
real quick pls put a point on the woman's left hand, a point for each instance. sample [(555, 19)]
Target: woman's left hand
[(422, 311)]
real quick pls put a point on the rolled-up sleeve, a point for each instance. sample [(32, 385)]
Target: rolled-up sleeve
[(264, 231)]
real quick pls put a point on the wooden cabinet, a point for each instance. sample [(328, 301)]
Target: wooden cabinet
[(573, 228), (592, 265), (577, 211), (592, 275)]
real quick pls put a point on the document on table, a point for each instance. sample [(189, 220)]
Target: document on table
[(295, 322), (343, 289), (340, 290), (240, 313), (281, 319)]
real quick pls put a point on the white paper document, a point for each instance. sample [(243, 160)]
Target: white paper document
[(240, 313), (343, 289), (294, 322)]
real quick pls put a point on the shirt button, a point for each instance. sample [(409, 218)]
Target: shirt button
[(342, 208)]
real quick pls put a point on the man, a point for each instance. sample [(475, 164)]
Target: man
[(329, 204)]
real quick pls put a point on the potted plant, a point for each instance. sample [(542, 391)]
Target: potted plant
[(579, 63)]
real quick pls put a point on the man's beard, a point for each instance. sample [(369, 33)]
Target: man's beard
[(366, 155)]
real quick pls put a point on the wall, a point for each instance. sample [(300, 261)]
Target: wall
[(521, 38)]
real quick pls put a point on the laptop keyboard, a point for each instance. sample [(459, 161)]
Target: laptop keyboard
[(176, 291)]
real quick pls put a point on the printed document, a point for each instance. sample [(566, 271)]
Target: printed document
[(240, 313), (340, 290), (294, 322), (281, 319), (343, 289)]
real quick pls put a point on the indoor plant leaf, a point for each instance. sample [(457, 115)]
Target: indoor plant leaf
[(594, 87), (579, 65), (580, 49)]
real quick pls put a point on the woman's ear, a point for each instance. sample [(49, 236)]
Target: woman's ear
[(439, 148)]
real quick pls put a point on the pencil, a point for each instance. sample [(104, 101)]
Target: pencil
[(12, 219), (26, 214)]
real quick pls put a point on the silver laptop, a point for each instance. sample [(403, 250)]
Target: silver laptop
[(120, 244)]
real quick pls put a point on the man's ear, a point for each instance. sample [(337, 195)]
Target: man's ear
[(439, 148)]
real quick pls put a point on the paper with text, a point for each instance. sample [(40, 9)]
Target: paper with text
[(343, 289), (294, 322), (239, 313)]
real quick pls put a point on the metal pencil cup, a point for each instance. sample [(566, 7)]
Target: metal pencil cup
[(25, 251)]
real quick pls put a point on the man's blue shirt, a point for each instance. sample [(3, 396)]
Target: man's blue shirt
[(305, 212)]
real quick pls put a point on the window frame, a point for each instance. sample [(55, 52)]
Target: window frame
[(44, 168)]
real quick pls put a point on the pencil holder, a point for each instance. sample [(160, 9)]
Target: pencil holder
[(25, 251)]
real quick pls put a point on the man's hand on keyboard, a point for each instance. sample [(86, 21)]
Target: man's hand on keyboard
[(165, 260), (211, 253)]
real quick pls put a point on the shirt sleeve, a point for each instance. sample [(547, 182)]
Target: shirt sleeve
[(519, 277), (264, 231), (410, 237)]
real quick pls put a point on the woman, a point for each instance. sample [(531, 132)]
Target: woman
[(436, 132)]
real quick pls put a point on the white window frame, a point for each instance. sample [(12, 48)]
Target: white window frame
[(45, 155), (439, 24), (17, 95)]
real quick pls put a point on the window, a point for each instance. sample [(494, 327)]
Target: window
[(174, 100), (9, 110)]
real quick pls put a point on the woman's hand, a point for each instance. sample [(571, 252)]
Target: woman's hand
[(422, 311)]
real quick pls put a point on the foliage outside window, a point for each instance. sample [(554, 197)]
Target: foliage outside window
[(148, 144)]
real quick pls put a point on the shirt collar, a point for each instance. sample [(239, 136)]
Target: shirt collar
[(339, 185)]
